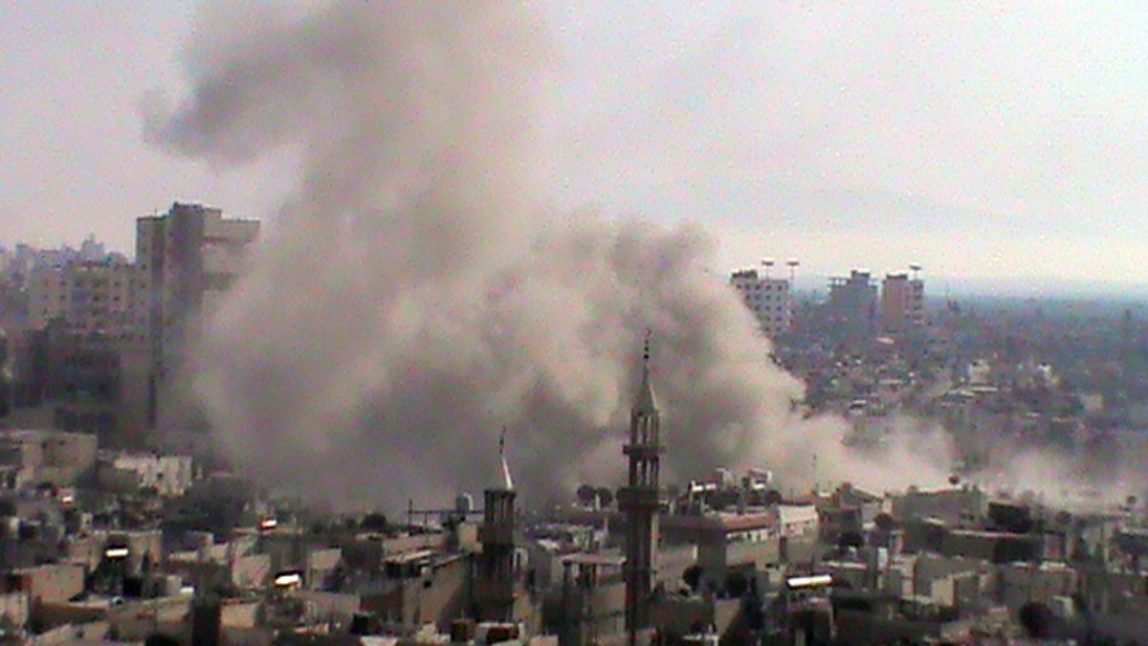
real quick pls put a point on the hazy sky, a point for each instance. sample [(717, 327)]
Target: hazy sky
[(977, 138)]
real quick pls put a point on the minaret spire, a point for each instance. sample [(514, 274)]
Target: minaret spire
[(495, 586), (639, 501), (507, 481), (645, 401)]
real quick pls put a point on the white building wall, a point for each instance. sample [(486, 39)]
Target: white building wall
[(768, 298), (170, 475)]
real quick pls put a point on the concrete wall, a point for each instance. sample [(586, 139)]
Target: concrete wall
[(170, 475), (50, 583), (1022, 583), (930, 568), (953, 506), (14, 608), (251, 571), (439, 598), (324, 606)]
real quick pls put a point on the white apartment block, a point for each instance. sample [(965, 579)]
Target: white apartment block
[(769, 299)]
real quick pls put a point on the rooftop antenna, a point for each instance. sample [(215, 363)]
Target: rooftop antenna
[(916, 269), (767, 263), (793, 264)]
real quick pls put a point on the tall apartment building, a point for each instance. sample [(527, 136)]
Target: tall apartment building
[(768, 298), (852, 306), (902, 303), (81, 352), (189, 257), (104, 297)]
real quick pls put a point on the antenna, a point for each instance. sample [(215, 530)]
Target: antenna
[(793, 264), (767, 263), (646, 348)]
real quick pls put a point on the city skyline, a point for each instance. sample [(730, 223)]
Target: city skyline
[(1010, 146)]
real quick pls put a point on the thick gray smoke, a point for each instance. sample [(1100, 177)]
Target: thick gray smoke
[(414, 297)]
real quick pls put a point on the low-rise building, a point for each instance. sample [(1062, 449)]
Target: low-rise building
[(168, 475), (32, 457)]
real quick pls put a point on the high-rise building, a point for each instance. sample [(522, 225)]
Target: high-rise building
[(189, 257), (769, 299), (639, 501), (852, 306), (902, 303), (86, 355)]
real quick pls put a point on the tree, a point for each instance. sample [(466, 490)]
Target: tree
[(692, 576), (736, 584), (850, 539), (586, 495), (1037, 620), (605, 497), (374, 522)]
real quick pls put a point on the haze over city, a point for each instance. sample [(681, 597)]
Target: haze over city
[(470, 322), (981, 141)]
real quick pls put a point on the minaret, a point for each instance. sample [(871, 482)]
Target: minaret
[(638, 500), (496, 565)]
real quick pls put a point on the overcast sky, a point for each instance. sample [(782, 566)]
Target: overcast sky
[(976, 138)]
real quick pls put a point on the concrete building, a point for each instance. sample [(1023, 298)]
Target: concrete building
[(47, 583), (79, 359), (169, 475), (31, 457), (902, 303), (188, 259), (769, 299), (958, 507), (104, 297), (728, 542), (639, 501), (103, 389), (852, 306)]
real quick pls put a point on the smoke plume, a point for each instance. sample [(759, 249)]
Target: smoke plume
[(414, 295)]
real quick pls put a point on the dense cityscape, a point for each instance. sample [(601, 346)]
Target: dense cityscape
[(569, 324), (123, 521)]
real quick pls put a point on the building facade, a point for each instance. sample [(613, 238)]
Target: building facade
[(902, 303), (104, 297), (188, 258), (852, 306), (769, 299)]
